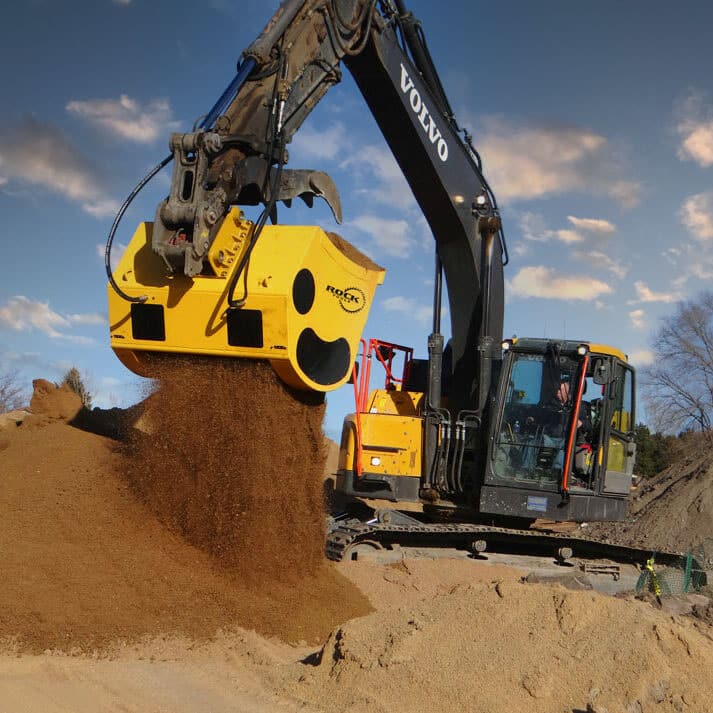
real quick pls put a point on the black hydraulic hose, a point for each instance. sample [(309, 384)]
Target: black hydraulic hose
[(421, 58), (349, 26), (231, 91), (354, 51), (421, 35), (115, 225), (277, 138), (262, 220), (364, 21), (415, 38)]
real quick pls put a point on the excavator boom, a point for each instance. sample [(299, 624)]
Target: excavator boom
[(238, 157)]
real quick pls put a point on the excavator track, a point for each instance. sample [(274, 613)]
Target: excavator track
[(346, 535)]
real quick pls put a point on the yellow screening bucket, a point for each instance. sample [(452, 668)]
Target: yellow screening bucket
[(308, 298)]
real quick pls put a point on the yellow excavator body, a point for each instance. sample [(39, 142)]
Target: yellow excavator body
[(307, 295)]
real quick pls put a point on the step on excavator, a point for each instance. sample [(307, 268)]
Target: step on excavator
[(480, 439)]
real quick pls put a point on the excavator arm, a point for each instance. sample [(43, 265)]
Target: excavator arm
[(238, 157)]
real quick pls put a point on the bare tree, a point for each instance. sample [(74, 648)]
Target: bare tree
[(12, 393), (678, 387)]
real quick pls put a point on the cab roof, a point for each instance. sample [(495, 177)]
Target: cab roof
[(567, 345)]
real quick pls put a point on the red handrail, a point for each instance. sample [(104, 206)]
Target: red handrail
[(573, 427), (358, 375), (363, 377)]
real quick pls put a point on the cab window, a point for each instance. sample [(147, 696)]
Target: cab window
[(622, 410)]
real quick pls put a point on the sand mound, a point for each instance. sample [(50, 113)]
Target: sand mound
[(674, 510), (515, 647), (55, 402), (85, 563)]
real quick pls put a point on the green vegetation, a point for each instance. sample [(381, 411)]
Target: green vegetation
[(74, 380), (654, 451)]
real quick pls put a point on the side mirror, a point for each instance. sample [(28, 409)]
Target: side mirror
[(601, 371)]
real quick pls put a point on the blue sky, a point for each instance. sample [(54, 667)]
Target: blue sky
[(595, 123)]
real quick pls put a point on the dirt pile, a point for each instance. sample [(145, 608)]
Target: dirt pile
[(234, 461), (86, 563), (54, 402), (674, 510), (510, 647)]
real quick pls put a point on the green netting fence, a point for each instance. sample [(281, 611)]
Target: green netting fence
[(694, 573)]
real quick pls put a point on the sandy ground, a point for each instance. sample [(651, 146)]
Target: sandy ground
[(106, 605), (446, 635)]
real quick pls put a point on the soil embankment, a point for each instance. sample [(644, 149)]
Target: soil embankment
[(86, 561), (672, 511)]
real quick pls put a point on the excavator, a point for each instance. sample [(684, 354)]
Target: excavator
[(479, 439)]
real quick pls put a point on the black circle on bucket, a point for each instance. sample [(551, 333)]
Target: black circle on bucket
[(303, 291)]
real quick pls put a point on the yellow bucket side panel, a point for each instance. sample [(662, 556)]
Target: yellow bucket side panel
[(305, 312)]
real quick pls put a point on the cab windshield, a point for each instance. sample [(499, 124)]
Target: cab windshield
[(536, 418)]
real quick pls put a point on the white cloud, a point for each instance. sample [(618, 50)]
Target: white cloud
[(122, 2), (102, 208), (387, 235), (127, 118), (408, 306), (520, 249), (642, 357), (541, 281), (600, 259), (90, 319), (697, 215), (702, 268), (698, 144), (645, 294), (672, 254), (40, 154), (569, 236), (527, 162), (535, 229), (376, 167), (626, 193), (22, 314), (695, 129), (637, 318), (117, 250), (318, 144), (593, 225), (3, 181)]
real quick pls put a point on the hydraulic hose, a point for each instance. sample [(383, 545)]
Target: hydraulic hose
[(115, 225), (231, 91), (262, 220), (226, 97)]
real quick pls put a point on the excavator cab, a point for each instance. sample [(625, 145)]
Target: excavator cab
[(558, 438), (561, 442)]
